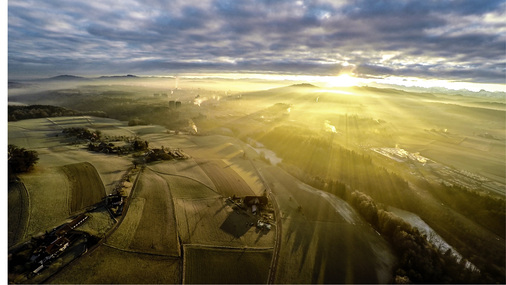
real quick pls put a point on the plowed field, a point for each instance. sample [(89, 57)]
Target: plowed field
[(149, 225), (18, 212), (85, 185), (226, 266), (226, 180)]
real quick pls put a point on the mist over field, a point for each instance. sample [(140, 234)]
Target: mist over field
[(232, 142), (364, 184)]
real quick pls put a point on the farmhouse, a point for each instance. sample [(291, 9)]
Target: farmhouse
[(255, 202), (52, 244)]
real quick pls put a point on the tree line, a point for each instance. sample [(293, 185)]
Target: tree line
[(419, 261), (17, 113)]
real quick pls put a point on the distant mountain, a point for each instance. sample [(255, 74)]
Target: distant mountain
[(442, 90), (301, 91), (15, 84), (304, 85), (119, 76), (67, 77)]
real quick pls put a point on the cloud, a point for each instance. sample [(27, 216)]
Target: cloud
[(456, 39)]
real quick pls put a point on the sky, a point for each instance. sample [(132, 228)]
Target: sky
[(436, 40)]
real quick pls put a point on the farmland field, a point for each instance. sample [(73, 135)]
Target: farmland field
[(187, 188), (323, 238), (226, 180), (469, 159), (110, 168), (18, 206), (168, 140), (309, 136), (48, 190), (185, 168), (246, 171), (107, 265), (215, 222), (226, 266), (85, 185), (149, 225), (156, 231)]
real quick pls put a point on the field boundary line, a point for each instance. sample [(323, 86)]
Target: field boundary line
[(246, 248), (175, 217), (28, 210), (178, 175), (141, 252), (54, 123)]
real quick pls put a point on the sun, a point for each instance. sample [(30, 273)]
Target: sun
[(342, 80)]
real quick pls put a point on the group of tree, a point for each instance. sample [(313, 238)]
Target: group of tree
[(20, 160), (317, 155), (16, 113), (82, 133), (419, 260), (484, 209), (135, 145), (137, 122)]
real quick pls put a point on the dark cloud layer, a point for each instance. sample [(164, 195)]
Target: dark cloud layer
[(453, 40)]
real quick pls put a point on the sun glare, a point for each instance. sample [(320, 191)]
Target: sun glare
[(342, 80)]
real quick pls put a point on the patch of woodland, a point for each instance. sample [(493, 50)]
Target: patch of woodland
[(17, 113), (20, 160)]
